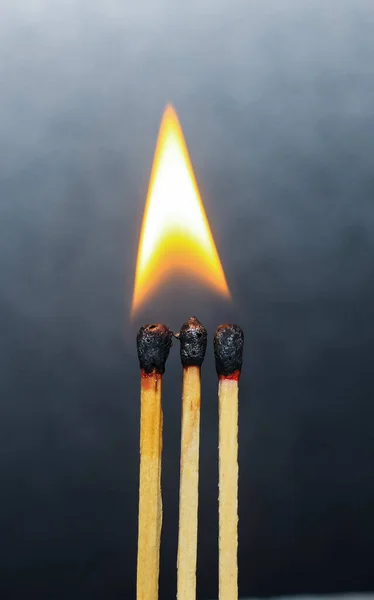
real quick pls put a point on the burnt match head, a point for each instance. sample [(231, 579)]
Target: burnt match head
[(228, 350), (193, 338), (153, 344)]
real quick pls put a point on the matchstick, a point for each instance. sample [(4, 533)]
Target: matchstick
[(228, 350), (153, 344), (193, 340)]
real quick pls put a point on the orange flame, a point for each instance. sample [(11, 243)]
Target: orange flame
[(175, 235)]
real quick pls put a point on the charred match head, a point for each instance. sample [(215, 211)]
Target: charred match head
[(153, 344), (228, 350), (193, 338)]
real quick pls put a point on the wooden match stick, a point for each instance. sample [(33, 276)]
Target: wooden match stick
[(193, 340), (153, 344), (228, 350)]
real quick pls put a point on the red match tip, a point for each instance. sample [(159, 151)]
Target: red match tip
[(234, 376), (151, 375)]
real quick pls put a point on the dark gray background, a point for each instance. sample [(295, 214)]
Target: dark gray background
[(276, 99)]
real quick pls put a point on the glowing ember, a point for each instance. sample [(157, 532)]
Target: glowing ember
[(175, 236)]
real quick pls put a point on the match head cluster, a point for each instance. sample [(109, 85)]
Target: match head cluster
[(154, 343)]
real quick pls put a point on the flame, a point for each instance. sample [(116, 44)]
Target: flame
[(175, 235)]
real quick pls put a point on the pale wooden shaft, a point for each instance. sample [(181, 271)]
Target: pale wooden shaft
[(228, 489), (150, 502), (189, 484)]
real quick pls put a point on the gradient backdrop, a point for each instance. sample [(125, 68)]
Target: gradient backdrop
[(276, 99)]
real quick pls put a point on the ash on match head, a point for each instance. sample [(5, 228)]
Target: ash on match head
[(153, 344), (193, 338), (228, 350)]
